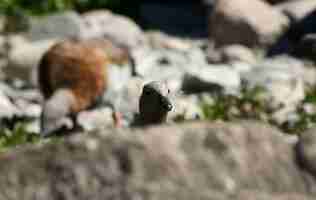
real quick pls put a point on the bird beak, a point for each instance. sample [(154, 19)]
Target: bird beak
[(166, 103)]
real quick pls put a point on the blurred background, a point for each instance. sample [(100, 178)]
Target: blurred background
[(229, 60), (248, 67)]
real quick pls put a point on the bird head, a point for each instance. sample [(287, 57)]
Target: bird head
[(154, 103)]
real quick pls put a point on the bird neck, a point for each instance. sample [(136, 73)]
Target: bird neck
[(62, 102)]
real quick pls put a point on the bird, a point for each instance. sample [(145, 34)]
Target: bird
[(72, 77), (154, 104)]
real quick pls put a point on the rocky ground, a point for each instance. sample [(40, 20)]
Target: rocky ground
[(252, 66)]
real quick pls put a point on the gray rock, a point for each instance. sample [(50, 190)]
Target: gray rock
[(213, 79), (162, 40), (7, 108), (230, 54), (185, 107), (306, 150), (104, 23), (239, 53), (239, 22), (276, 74), (125, 99), (283, 80), (56, 26), (24, 57), (28, 109), (223, 161), (96, 119)]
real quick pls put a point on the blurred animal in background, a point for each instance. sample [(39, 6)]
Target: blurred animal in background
[(72, 77)]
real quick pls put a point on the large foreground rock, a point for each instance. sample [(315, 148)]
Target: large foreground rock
[(191, 161)]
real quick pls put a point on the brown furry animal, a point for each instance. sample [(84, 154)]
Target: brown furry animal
[(72, 76)]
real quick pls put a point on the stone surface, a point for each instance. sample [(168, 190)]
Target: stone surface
[(231, 54), (161, 40), (104, 23), (211, 79), (239, 22), (7, 108), (223, 161), (56, 26), (297, 9), (24, 57), (306, 152), (283, 80), (96, 119)]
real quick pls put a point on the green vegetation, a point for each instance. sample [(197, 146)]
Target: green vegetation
[(14, 133), (252, 104)]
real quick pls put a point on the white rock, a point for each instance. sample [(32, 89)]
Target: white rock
[(57, 26), (97, 118), (7, 108), (24, 58), (104, 23)]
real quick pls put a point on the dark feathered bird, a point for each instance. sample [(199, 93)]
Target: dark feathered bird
[(154, 104)]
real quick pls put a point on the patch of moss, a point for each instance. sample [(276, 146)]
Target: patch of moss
[(251, 104), (16, 135)]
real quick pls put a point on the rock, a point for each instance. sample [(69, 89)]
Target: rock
[(305, 150), (7, 108), (212, 79), (234, 53), (297, 10), (231, 54), (283, 80), (239, 22), (57, 26), (222, 161), (28, 109), (162, 40), (104, 23), (96, 119), (24, 57), (186, 107), (125, 99)]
